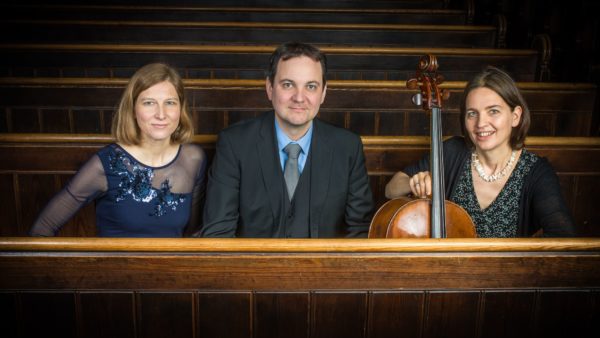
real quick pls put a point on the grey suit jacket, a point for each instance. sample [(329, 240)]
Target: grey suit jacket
[(246, 188)]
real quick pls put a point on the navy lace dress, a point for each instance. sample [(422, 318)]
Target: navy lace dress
[(132, 199)]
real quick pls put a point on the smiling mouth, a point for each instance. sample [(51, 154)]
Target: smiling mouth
[(484, 133)]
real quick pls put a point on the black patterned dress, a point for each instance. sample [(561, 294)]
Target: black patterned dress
[(500, 218)]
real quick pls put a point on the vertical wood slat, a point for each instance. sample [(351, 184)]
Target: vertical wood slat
[(281, 315), (34, 192), (586, 213), (8, 314), (507, 314), (165, 314), (9, 224), (338, 314), (224, 314), (394, 314), (451, 314), (48, 314), (107, 314), (567, 313)]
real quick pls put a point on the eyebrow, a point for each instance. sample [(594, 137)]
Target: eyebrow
[(309, 82), (152, 98), (486, 108)]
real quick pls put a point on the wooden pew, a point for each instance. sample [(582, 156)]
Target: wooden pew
[(250, 62), (177, 32), (36, 166), (85, 105), (299, 288), (205, 13)]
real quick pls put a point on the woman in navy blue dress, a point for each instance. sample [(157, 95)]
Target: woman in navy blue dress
[(150, 182)]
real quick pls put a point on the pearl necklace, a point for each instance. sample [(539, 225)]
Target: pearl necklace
[(494, 177)]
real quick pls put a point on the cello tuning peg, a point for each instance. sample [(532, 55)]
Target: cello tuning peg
[(417, 99), (412, 84), (445, 94)]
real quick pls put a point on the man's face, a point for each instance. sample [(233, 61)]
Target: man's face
[(297, 93)]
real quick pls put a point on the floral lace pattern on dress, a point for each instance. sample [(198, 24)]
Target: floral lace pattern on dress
[(500, 218), (136, 182)]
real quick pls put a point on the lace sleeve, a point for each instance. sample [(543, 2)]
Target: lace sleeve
[(85, 186), (198, 194)]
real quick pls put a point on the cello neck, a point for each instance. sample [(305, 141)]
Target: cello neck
[(438, 212), (427, 80)]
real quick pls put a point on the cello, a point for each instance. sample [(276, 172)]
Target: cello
[(433, 217)]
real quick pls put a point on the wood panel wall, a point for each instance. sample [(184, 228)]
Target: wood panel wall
[(85, 105), (36, 166), (299, 288)]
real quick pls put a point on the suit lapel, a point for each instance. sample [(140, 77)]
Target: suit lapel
[(272, 175), (322, 156)]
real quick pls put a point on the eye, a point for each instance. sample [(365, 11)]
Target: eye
[(494, 111), (172, 102), (286, 85), (312, 87), (148, 102), (471, 114)]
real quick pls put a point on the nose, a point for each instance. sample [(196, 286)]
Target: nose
[(481, 120), (160, 112), (298, 95)]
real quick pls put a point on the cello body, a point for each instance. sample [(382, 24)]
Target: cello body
[(406, 217)]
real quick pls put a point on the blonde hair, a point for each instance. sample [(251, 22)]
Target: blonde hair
[(124, 125)]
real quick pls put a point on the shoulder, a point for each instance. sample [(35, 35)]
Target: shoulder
[(109, 153), (246, 128), (541, 166), (456, 144), (107, 149), (192, 151), (334, 134)]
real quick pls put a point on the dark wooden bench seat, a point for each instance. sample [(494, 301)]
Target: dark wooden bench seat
[(249, 62), (57, 287), (85, 105), (36, 166), (178, 32), (240, 14)]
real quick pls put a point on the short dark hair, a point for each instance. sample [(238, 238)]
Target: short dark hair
[(290, 50), (503, 85)]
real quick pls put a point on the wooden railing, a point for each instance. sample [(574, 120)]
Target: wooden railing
[(306, 13), (157, 31), (299, 288), (250, 61)]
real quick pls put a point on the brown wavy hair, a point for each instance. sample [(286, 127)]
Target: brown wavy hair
[(124, 125), (503, 85)]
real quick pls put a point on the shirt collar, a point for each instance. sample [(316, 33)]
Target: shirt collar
[(283, 140)]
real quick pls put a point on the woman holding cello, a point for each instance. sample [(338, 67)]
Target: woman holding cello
[(507, 190)]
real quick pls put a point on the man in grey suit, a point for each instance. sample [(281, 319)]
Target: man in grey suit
[(286, 174)]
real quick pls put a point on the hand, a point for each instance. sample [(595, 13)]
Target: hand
[(420, 184)]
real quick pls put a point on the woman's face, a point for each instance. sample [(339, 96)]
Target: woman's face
[(489, 119), (157, 112)]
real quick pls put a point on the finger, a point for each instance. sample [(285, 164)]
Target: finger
[(420, 189), (428, 187), (414, 186)]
